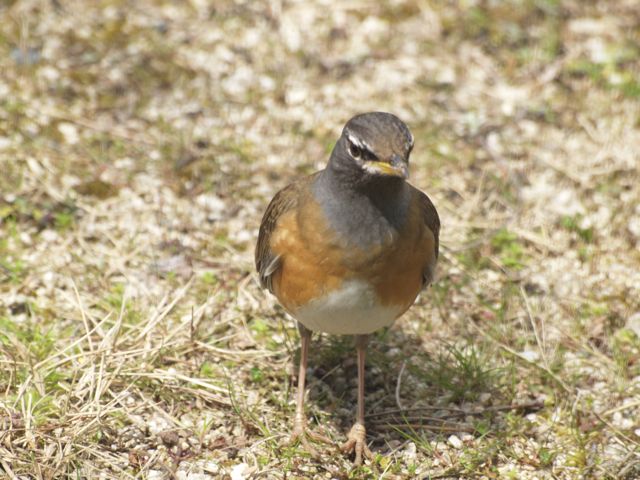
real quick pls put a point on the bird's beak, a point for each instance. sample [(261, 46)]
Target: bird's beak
[(396, 167)]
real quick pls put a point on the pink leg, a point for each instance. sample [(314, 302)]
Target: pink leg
[(356, 439), (300, 432)]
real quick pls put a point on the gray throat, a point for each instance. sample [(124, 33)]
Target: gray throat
[(364, 213)]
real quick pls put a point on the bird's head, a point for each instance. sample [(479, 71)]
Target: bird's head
[(374, 145)]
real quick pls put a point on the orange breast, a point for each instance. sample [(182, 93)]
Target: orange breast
[(398, 268), (316, 261), (311, 258)]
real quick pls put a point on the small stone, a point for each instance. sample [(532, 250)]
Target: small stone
[(633, 323), (455, 442), (239, 472), (409, 453), (156, 475), (393, 352), (69, 132), (199, 476), (169, 437), (530, 355), (484, 398), (157, 424)]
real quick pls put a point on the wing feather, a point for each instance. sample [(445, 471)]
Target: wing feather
[(266, 261), (432, 221)]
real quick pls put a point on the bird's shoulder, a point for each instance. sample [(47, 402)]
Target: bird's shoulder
[(285, 201)]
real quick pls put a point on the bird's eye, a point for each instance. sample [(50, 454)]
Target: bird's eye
[(355, 151)]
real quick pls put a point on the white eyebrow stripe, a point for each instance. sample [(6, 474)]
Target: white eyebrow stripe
[(358, 142)]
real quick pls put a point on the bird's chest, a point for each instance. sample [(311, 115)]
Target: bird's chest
[(333, 283)]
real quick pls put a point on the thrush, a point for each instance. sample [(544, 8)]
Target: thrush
[(348, 249)]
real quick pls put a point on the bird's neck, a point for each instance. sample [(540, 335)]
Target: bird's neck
[(365, 212), (347, 177)]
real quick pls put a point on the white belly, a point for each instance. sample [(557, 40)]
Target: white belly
[(351, 310)]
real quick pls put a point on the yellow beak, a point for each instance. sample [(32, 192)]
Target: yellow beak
[(384, 168)]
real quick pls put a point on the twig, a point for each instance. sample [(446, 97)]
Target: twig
[(423, 421), (247, 353), (84, 317), (616, 430), (539, 339), (158, 317), (627, 464), (398, 385), (534, 405), (8, 470), (433, 428), (621, 408)]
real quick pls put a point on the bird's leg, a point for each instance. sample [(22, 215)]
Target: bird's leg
[(356, 439), (300, 432)]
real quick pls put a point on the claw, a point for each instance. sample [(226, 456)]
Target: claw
[(357, 442), (302, 435)]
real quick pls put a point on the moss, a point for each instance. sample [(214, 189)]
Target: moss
[(510, 249)]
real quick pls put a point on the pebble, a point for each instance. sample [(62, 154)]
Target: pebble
[(238, 472), (633, 323), (409, 454), (455, 442)]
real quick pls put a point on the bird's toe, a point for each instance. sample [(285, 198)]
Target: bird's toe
[(357, 443), (301, 434)]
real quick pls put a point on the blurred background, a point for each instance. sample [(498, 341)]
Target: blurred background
[(140, 142)]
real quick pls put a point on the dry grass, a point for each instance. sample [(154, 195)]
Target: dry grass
[(140, 143)]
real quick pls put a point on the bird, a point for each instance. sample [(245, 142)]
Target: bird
[(347, 250)]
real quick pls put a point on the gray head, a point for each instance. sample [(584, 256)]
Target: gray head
[(373, 146)]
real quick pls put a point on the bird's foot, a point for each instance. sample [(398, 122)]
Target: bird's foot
[(302, 435), (357, 442)]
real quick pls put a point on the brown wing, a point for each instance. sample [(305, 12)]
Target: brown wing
[(431, 218), (266, 261), (432, 221)]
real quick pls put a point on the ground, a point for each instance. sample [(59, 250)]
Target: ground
[(140, 143)]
